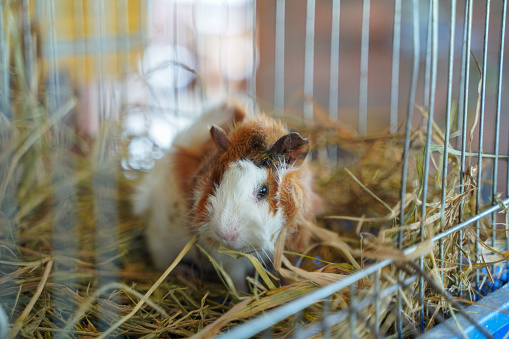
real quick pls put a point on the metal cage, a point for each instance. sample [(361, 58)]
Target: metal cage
[(371, 64)]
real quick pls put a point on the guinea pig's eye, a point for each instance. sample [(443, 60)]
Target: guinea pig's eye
[(263, 192)]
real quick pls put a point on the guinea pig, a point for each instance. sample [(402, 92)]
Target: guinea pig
[(233, 179)]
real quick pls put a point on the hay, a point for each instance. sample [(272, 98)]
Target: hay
[(46, 292), (359, 226)]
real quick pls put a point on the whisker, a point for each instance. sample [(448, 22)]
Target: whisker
[(260, 258), (257, 254), (268, 257), (274, 271)]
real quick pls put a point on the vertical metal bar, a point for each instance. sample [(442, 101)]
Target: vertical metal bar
[(481, 133), (98, 79), (499, 97), (377, 304), (433, 52), (98, 12), (298, 325), (408, 132), (459, 122), (447, 130), (104, 180), (79, 36), (363, 88), (497, 119), (466, 66), (464, 85), (224, 52), (39, 11), (393, 115), (353, 310), (4, 68), (64, 199), (334, 61), (309, 59), (54, 79), (114, 48), (28, 45), (427, 66), (124, 53), (105, 213), (183, 34), (252, 80), (65, 217), (123, 29), (8, 187), (267, 333), (279, 71), (198, 50), (176, 66), (145, 16), (334, 74), (326, 311), (104, 61)]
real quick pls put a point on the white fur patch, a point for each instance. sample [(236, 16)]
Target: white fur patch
[(235, 209), (162, 205)]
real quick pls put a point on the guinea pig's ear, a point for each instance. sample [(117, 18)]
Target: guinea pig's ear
[(293, 147), (220, 138)]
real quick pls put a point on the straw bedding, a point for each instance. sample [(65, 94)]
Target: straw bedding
[(49, 291)]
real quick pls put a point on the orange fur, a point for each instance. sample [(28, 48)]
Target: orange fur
[(301, 204), (273, 191), (186, 164)]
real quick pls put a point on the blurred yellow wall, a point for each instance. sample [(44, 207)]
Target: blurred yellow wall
[(93, 38)]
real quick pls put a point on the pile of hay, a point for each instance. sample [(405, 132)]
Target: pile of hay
[(47, 292)]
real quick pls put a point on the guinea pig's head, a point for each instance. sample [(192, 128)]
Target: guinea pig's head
[(254, 193)]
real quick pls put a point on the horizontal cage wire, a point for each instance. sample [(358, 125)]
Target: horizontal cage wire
[(401, 101)]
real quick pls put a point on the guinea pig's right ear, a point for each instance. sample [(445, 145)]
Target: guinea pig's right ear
[(293, 147), (220, 138)]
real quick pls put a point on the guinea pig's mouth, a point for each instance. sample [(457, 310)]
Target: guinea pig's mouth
[(263, 255), (216, 244)]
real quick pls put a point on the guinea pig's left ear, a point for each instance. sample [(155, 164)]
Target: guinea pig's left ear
[(293, 147), (220, 138)]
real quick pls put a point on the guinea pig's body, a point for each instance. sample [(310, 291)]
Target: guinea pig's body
[(237, 185)]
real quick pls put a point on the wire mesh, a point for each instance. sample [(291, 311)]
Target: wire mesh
[(155, 63)]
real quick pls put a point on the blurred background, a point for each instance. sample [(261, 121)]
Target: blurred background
[(157, 62)]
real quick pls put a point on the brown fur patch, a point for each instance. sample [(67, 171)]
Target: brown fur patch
[(185, 167), (290, 195), (252, 139), (199, 213), (273, 191), (300, 204)]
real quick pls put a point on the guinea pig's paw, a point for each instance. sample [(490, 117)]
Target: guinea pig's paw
[(240, 284), (185, 273)]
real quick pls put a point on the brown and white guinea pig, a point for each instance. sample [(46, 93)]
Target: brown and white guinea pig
[(234, 180)]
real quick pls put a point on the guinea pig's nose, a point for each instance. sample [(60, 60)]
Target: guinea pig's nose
[(227, 235)]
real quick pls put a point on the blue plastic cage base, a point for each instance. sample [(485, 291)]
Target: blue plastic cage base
[(492, 312)]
